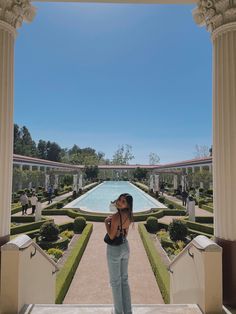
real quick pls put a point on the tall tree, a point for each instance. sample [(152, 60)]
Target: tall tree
[(201, 151), (123, 155), (42, 149), (154, 159), (53, 151), (23, 143)]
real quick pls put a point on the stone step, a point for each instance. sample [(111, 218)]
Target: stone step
[(106, 309)]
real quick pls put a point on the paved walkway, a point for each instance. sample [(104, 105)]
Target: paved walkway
[(91, 282), (45, 204), (198, 211)]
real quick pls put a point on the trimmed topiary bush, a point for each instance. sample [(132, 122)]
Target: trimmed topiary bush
[(57, 253), (171, 206), (152, 224), (68, 234), (79, 224), (60, 205), (161, 199), (177, 230), (49, 231)]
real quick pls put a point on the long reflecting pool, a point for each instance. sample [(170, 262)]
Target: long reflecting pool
[(98, 199)]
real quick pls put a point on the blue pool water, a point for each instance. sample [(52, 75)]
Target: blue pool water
[(98, 199)]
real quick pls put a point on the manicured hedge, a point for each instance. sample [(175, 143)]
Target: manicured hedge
[(65, 275), (200, 227), (100, 217), (159, 268), (16, 210), (204, 219), (167, 201), (208, 208), (23, 219), (175, 204), (61, 244), (27, 227)]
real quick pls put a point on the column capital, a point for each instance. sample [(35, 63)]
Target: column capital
[(215, 13), (14, 12)]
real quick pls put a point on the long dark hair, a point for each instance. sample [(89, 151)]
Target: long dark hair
[(129, 209)]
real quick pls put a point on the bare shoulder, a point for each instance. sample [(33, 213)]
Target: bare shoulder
[(115, 217)]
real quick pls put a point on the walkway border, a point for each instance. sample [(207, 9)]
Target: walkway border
[(66, 274), (159, 268)]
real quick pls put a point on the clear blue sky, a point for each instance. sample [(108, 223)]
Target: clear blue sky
[(102, 75)]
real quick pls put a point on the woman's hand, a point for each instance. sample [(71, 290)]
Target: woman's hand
[(108, 219)]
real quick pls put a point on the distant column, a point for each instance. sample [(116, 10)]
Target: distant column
[(151, 182), (175, 182), (80, 181), (56, 181), (156, 187), (75, 183), (47, 181)]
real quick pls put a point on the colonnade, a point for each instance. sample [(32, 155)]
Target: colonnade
[(220, 20)]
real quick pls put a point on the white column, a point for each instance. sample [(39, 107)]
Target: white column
[(151, 182), (75, 182), (175, 182), (220, 19), (30, 167), (7, 39), (201, 185), (193, 169), (47, 179), (156, 187), (183, 183), (201, 168), (210, 168), (80, 181), (56, 181), (224, 127), (12, 15)]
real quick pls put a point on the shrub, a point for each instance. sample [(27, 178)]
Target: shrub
[(68, 234), (152, 224), (60, 205), (79, 224), (171, 206), (201, 202), (162, 233), (57, 253), (161, 199), (210, 192), (49, 231), (177, 230)]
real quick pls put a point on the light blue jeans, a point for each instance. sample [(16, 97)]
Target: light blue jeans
[(117, 260)]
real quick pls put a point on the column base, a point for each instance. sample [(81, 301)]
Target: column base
[(229, 271)]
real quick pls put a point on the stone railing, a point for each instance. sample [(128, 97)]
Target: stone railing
[(27, 275), (196, 275)]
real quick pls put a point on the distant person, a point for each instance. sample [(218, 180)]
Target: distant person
[(24, 203), (50, 192), (184, 197), (117, 226), (162, 188), (33, 201)]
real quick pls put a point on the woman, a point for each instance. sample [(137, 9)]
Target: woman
[(118, 256)]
